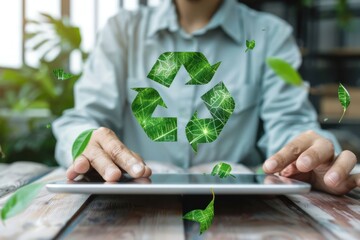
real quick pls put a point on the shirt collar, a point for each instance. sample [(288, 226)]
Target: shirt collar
[(227, 17)]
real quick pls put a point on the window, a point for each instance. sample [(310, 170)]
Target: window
[(89, 15), (11, 33)]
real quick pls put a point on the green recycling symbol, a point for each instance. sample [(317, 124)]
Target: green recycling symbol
[(218, 100)]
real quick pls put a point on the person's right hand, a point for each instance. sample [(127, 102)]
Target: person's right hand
[(106, 154)]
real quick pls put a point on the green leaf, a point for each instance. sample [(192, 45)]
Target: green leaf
[(344, 98), (204, 217), (48, 126), (20, 200), (81, 142), (250, 45), (222, 169), (61, 75), (260, 170), (285, 71)]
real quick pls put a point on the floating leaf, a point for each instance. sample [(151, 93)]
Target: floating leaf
[(61, 75), (260, 170), (204, 217), (284, 70), (2, 154), (222, 169), (344, 98), (20, 200), (250, 45), (81, 142)]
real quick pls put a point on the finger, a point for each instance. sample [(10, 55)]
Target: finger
[(81, 164), (102, 163), (321, 151), (70, 173), (289, 170), (289, 153), (341, 169), (119, 153), (142, 180), (344, 187), (147, 172), (136, 155)]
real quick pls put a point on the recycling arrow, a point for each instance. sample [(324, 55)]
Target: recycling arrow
[(221, 105), (195, 63), (157, 129), (218, 100)]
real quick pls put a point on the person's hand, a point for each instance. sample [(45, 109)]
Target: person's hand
[(311, 158), (107, 155)]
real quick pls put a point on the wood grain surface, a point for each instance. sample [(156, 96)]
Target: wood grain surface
[(129, 217), (13, 176), (47, 214), (252, 217), (340, 215)]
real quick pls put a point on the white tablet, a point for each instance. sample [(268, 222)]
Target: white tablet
[(185, 184)]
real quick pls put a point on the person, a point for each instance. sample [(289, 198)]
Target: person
[(272, 120)]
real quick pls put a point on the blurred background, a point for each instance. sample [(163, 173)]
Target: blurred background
[(38, 36)]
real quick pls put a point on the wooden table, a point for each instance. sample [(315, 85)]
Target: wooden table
[(79, 216)]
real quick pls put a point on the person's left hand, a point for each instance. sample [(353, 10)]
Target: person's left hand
[(311, 158)]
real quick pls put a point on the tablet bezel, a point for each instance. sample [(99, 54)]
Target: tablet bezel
[(287, 186)]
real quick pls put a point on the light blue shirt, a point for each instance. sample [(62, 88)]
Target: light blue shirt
[(268, 113)]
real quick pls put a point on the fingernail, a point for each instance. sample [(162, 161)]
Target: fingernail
[(271, 165), (109, 172), (305, 161), (136, 168), (334, 177)]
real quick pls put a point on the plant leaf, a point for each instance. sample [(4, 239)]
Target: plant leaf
[(260, 170), (344, 98), (285, 71), (222, 169), (61, 75), (250, 45), (204, 217), (81, 142), (20, 200)]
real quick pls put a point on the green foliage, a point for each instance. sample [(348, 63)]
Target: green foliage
[(169, 63), (61, 75), (222, 170), (221, 105), (218, 100), (204, 217), (344, 98), (285, 71), (81, 142), (250, 45), (158, 129), (20, 200), (2, 154), (37, 88)]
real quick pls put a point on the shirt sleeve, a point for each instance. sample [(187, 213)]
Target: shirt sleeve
[(285, 109), (99, 93)]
